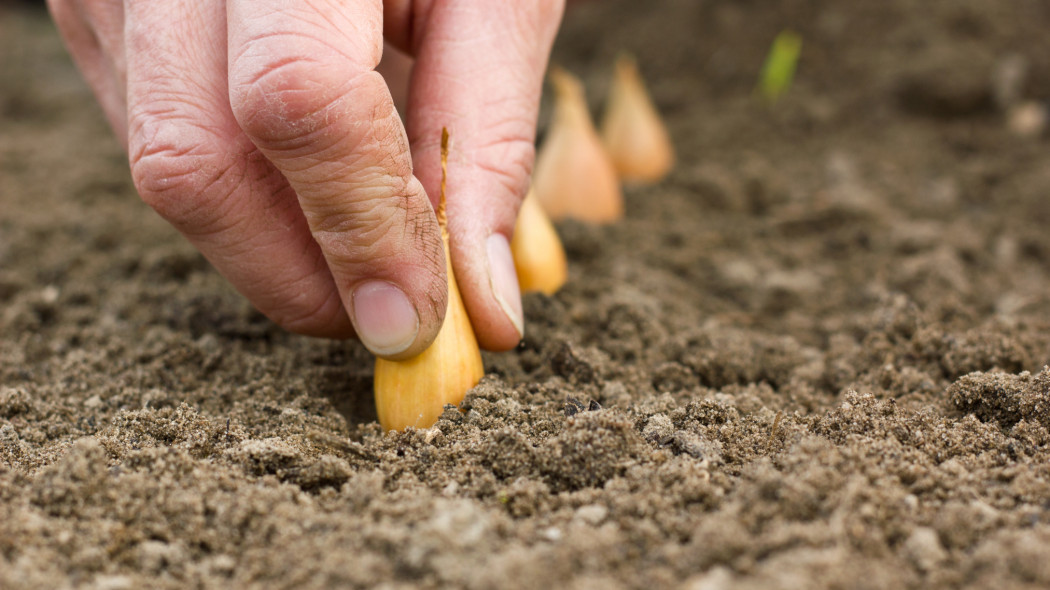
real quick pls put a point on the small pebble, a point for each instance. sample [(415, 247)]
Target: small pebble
[(592, 514), (1027, 119), (923, 548), (552, 534), (717, 578)]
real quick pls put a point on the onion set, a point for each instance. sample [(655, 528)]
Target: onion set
[(539, 256), (632, 130), (574, 176), (414, 392)]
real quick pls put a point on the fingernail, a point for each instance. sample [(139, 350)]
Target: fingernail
[(504, 280), (385, 320)]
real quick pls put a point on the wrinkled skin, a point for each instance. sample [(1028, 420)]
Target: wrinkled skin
[(261, 130)]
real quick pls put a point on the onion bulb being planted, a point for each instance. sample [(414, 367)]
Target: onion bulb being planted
[(414, 392), (574, 177), (633, 132), (538, 254)]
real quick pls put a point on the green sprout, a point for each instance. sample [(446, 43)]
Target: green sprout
[(779, 69)]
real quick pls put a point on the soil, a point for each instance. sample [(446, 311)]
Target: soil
[(816, 353)]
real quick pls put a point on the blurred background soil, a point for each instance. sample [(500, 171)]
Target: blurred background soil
[(818, 347)]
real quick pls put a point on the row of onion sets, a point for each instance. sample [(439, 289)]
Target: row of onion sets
[(578, 175), (580, 169)]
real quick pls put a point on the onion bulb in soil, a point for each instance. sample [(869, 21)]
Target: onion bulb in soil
[(574, 176), (414, 392), (539, 256), (633, 132)]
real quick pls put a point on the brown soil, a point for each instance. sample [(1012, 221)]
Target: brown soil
[(818, 348)]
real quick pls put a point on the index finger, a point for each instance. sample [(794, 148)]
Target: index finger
[(304, 90)]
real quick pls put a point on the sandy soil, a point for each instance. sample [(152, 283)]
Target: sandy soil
[(818, 347)]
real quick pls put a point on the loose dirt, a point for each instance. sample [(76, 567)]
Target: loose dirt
[(816, 352)]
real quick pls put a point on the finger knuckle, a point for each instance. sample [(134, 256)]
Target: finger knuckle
[(182, 178), (509, 159), (369, 232), (288, 98), (366, 229)]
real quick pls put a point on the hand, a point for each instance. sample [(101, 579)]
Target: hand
[(261, 131)]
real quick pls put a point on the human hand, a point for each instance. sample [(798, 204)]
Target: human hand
[(260, 130)]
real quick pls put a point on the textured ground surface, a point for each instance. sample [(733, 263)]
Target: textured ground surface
[(818, 346)]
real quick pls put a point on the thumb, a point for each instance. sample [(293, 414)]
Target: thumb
[(479, 72)]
